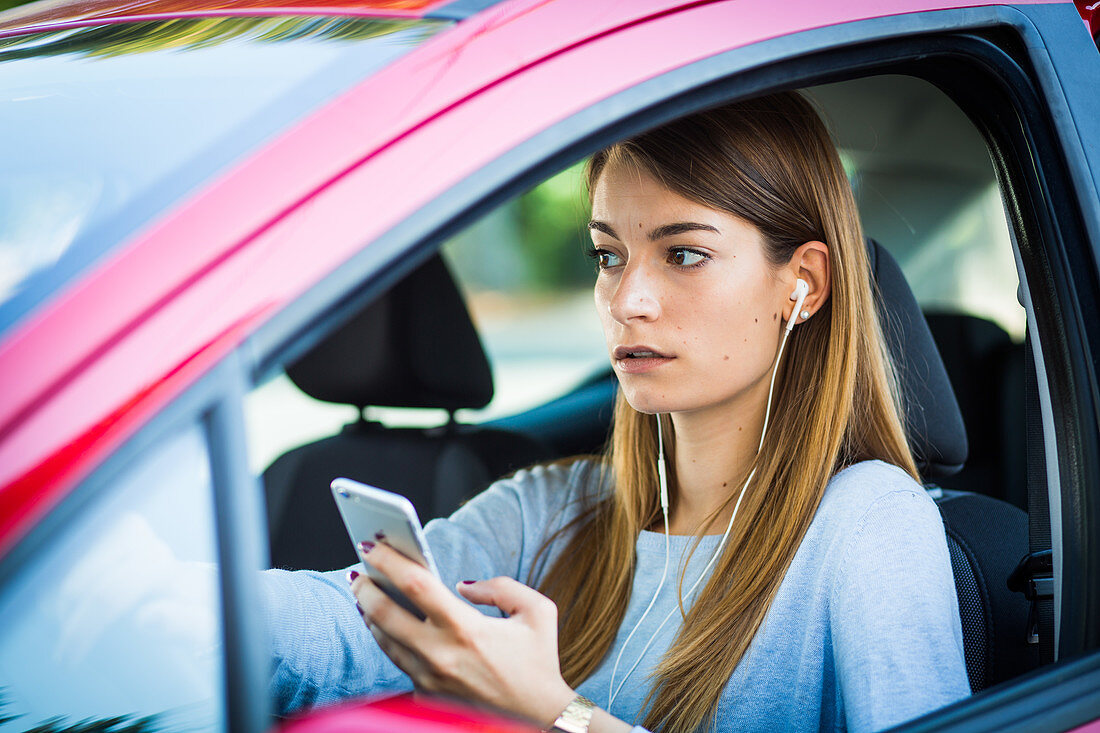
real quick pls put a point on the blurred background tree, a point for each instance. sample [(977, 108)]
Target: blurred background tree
[(535, 243)]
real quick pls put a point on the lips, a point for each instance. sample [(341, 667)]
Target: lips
[(637, 352), (639, 359)]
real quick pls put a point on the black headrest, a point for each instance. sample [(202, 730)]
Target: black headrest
[(413, 347), (932, 417)]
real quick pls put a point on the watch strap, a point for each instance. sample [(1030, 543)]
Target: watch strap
[(576, 716)]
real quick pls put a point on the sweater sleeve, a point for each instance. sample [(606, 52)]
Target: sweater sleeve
[(322, 650), (894, 618)]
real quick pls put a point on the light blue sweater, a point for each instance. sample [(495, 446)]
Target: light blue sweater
[(863, 633)]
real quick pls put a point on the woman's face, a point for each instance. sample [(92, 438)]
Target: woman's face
[(691, 310)]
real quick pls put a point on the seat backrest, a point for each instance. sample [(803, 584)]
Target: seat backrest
[(933, 421), (986, 370), (985, 536), (413, 347)]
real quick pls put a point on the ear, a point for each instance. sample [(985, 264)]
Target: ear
[(811, 263)]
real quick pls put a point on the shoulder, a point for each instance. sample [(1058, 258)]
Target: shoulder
[(543, 490), (864, 489), (892, 610), (568, 481), (579, 475), (874, 508), (876, 520)]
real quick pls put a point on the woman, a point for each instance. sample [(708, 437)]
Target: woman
[(795, 576)]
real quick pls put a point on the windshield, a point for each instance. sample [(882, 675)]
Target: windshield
[(105, 127)]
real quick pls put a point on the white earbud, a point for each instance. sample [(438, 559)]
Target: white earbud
[(801, 289)]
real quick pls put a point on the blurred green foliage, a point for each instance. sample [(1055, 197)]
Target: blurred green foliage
[(535, 243), (553, 224)]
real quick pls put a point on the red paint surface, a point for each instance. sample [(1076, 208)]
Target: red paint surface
[(249, 241), (404, 713), (32, 495)]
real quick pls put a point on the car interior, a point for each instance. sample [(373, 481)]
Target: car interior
[(943, 271)]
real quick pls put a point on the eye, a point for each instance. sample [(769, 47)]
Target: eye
[(685, 257), (605, 258)]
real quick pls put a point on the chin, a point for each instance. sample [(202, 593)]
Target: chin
[(644, 401)]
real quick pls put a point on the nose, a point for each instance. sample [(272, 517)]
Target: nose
[(635, 295)]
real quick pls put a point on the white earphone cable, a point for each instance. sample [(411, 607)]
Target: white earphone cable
[(717, 550), (663, 481)]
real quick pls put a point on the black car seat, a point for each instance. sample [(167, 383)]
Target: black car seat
[(413, 347), (986, 370)]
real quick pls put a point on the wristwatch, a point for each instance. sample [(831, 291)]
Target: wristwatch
[(575, 718)]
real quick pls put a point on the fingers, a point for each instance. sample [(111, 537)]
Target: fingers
[(415, 581), (378, 609), (511, 597), (405, 659), (423, 651)]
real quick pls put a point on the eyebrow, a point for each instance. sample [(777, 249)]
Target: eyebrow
[(665, 230)]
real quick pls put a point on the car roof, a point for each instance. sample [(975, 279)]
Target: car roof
[(97, 361)]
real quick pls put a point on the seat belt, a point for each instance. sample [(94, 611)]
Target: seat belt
[(1034, 576)]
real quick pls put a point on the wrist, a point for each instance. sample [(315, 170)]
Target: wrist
[(575, 717), (552, 705)]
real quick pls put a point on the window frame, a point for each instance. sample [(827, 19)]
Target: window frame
[(998, 51), (213, 403)]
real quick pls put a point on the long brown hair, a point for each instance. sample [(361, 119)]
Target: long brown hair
[(771, 162)]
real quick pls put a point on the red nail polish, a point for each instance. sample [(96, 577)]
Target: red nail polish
[(468, 582), (366, 546), (352, 575), (379, 536)]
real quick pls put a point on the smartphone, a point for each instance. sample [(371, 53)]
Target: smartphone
[(376, 515)]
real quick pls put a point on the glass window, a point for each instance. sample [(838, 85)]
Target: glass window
[(119, 615), (528, 286), (927, 192), (162, 105)]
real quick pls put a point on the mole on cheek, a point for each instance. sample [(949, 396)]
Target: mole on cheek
[(775, 316), (726, 357)]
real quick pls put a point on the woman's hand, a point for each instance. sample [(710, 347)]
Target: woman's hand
[(509, 663)]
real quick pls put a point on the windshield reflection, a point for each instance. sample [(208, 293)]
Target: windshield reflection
[(105, 127)]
